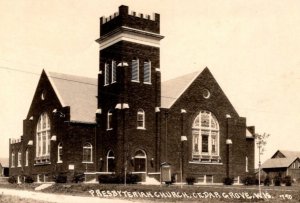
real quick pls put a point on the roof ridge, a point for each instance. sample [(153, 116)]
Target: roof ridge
[(177, 77), (67, 74)]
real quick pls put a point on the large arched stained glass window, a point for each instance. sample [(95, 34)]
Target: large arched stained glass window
[(43, 136), (205, 132)]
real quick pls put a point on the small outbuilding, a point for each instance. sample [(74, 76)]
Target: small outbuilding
[(283, 163), (4, 167)]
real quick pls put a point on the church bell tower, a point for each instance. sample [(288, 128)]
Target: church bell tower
[(129, 88)]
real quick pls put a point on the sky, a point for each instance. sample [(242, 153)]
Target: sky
[(251, 48)]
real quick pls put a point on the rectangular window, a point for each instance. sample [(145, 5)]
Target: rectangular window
[(209, 179), (109, 120), (44, 144), (201, 179), (26, 158), (48, 142), (39, 145), (246, 164), (106, 74), (214, 143), (87, 155), (147, 72), (59, 151), (141, 119), (113, 72), (19, 159), (135, 70), (13, 160), (196, 141), (204, 143)]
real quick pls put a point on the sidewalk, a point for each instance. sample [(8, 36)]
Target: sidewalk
[(57, 198)]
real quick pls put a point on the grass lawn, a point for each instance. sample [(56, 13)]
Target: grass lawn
[(174, 193), (14, 199)]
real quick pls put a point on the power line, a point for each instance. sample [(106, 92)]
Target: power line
[(109, 93)]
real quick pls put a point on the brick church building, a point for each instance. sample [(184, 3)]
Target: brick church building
[(128, 120)]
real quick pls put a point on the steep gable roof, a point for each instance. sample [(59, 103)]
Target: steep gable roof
[(278, 163), (288, 154), (80, 93), (172, 89)]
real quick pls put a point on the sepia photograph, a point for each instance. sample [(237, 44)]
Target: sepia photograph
[(149, 101)]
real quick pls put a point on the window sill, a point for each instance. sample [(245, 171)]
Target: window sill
[(87, 162), (59, 162), (141, 128), (138, 172), (137, 81), (41, 164), (205, 163), (109, 129), (148, 83)]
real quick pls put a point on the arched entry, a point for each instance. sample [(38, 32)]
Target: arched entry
[(140, 161), (110, 160)]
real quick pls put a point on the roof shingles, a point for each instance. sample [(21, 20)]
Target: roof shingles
[(80, 93)]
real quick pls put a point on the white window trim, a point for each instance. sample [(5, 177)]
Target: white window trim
[(87, 147), (113, 71), (107, 158), (39, 133), (26, 157), (19, 159), (108, 118), (247, 169), (149, 83), (210, 130), (13, 159), (59, 146), (141, 112), (106, 72), (138, 70)]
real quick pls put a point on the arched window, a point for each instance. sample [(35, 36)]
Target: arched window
[(110, 160), (43, 137), (141, 119), (26, 157), (109, 120), (19, 158), (13, 159), (205, 132), (147, 72), (140, 161), (87, 153), (59, 152), (135, 70)]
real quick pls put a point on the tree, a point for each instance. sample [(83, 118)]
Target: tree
[(260, 143)]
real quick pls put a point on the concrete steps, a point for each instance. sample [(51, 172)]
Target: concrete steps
[(151, 181)]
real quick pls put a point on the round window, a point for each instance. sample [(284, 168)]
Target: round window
[(206, 93), (43, 95)]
